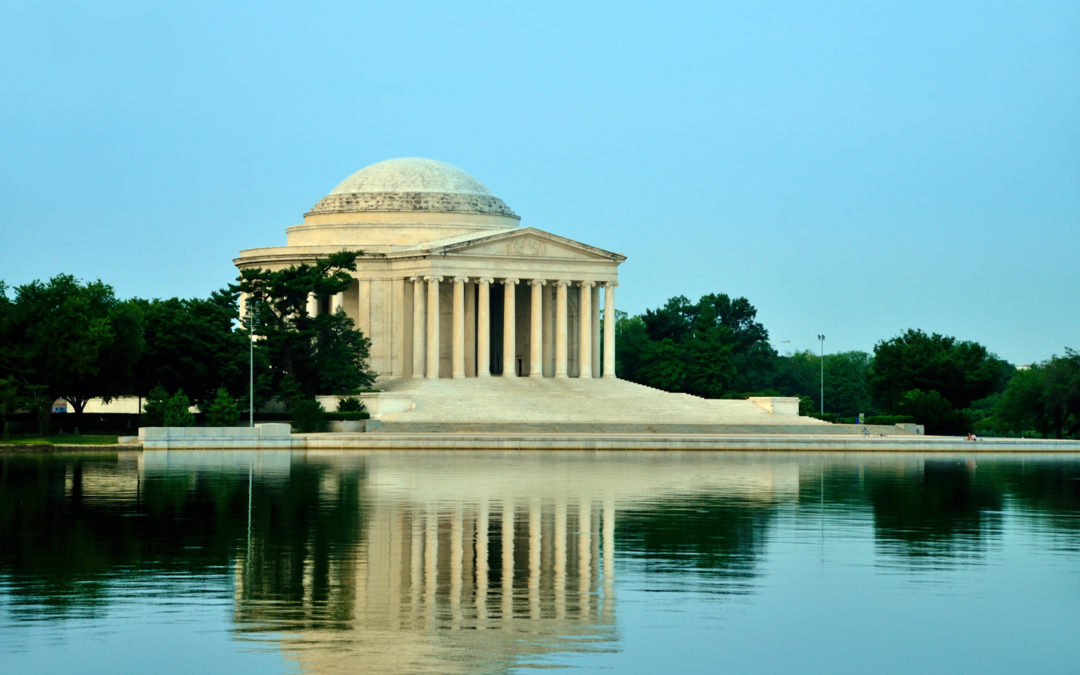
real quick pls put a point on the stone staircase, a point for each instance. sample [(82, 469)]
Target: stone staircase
[(582, 406)]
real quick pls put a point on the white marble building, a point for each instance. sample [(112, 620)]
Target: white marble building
[(450, 284)]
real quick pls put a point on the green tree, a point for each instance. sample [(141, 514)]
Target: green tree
[(847, 391), (324, 354), (194, 345), (1044, 398), (153, 413), (1062, 393), (74, 341), (932, 410), (178, 410), (222, 411), (960, 371), (711, 348)]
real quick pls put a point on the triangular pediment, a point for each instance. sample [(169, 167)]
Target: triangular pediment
[(528, 243)]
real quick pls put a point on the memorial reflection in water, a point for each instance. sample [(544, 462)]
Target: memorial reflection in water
[(463, 557), (502, 562)]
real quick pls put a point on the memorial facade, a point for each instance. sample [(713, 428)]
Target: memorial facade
[(450, 285)]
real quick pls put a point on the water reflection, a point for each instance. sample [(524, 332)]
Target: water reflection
[(474, 562)]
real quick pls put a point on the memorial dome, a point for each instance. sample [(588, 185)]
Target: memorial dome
[(412, 184)]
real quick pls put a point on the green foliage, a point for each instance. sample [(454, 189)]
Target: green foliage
[(178, 411), (960, 371), (352, 415), (70, 340), (1043, 400), (932, 410), (194, 345), (846, 390), (153, 413), (323, 354), (711, 348), (222, 411), (889, 419), (11, 400), (308, 415), (350, 404)]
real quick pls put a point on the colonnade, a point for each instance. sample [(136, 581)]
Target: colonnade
[(547, 325)]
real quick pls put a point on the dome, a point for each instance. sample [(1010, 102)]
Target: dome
[(412, 184)]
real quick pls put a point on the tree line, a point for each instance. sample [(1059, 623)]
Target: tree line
[(716, 348), (64, 338)]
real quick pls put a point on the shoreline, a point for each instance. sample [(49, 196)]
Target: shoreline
[(628, 442)]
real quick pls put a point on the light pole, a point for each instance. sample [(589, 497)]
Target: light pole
[(821, 339), (251, 365)]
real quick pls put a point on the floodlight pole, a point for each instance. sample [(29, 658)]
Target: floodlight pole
[(821, 339), (251, 364)]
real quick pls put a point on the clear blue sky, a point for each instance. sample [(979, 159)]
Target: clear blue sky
[(853, 168)]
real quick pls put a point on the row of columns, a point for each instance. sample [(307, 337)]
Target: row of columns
[(425, 327)]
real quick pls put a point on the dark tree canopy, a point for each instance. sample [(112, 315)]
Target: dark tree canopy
[(712, 348), (193, 344), (1044, 398), (66, 339), (321, 354), (961, 371)]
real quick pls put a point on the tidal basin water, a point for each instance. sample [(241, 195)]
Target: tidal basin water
[(177, 562)]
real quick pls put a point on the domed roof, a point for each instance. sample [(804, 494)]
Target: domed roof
[(412, 184)]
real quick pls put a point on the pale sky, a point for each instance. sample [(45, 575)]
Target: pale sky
[(852, 168)]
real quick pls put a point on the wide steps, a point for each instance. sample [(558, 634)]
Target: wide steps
[(545, 428)]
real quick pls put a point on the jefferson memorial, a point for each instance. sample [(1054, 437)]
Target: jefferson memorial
[(479, 324), (450, 284)]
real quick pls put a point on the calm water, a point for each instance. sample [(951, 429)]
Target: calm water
[(511, 563)]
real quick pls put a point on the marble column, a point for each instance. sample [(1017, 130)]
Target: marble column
[(609, 329), (536, 334), (458, 330), (585, 330), (509, 324), (470, 329), (419, 330), (337, 302), (549, 330), (433, 327), (312, 305), (596, 331), (483, 327), (560, 328)]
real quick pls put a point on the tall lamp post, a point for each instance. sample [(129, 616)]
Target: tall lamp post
[(821, 339), (251, 366)]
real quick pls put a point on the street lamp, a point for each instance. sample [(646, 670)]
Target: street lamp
[(251, 364), (821, 339)]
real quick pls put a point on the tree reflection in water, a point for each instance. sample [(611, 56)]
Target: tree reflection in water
[(465, 562)]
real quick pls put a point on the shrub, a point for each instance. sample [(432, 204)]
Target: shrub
[(350, 404), (889, 419), (347, 416), (153, 414), (177, 410), (307, 415), (222, 411)]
